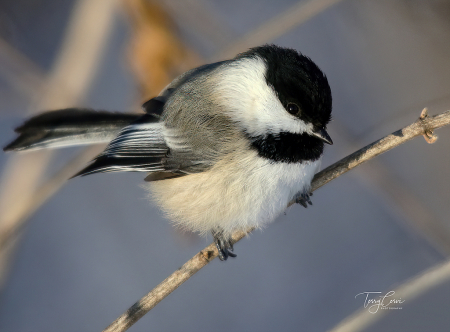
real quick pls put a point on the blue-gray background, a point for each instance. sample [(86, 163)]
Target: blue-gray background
[(98, 245)]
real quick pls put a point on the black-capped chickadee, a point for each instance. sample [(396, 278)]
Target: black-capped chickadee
[(226, 145)]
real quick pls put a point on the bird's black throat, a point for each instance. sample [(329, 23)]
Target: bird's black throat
[(288, 147)]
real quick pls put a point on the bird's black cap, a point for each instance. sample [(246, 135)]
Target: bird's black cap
[(296, 79)]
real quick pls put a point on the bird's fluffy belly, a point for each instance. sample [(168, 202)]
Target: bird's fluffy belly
[(237, 193)]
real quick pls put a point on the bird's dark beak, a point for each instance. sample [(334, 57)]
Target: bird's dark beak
[(323, 135)]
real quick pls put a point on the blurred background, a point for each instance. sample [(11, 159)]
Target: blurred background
[(76, 254)]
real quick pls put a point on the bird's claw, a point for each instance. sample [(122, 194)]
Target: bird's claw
[(224, 245), (304, 199)]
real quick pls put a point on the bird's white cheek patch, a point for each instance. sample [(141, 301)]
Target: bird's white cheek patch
[(244, 94)]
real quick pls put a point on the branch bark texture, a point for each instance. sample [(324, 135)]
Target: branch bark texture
[(424, 126)]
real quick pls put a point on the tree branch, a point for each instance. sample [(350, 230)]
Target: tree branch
[(425, 126)]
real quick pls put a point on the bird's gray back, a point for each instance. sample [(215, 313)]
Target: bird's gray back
[(196, 126)]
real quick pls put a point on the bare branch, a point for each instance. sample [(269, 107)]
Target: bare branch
[(144, 305), (416, 215), (425, 125)]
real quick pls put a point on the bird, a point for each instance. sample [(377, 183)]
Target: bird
[(225, 146)]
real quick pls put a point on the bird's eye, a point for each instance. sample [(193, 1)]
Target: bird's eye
[(293, 109)]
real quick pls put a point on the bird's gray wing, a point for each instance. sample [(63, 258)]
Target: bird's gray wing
[(143, 146), (178, 135)]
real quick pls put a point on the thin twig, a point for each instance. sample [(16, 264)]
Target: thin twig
[(191, 267), (425, 125), (416, 215)]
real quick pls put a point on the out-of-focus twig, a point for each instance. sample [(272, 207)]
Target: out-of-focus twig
[(202, 19), (73, 71), (68, 82), (45, 191), (408, 291), (425, 125), (277, 26), (156, 52), (19, 71)]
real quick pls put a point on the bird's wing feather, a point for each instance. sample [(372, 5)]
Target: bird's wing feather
[(141, 147), (160, 144)]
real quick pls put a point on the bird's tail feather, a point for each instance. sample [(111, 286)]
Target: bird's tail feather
[(69, 127)]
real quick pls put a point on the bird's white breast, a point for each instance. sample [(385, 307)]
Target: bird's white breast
[(240, 191)]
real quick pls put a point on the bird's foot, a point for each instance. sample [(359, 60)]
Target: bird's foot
[(304, 199), (224, 245)]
